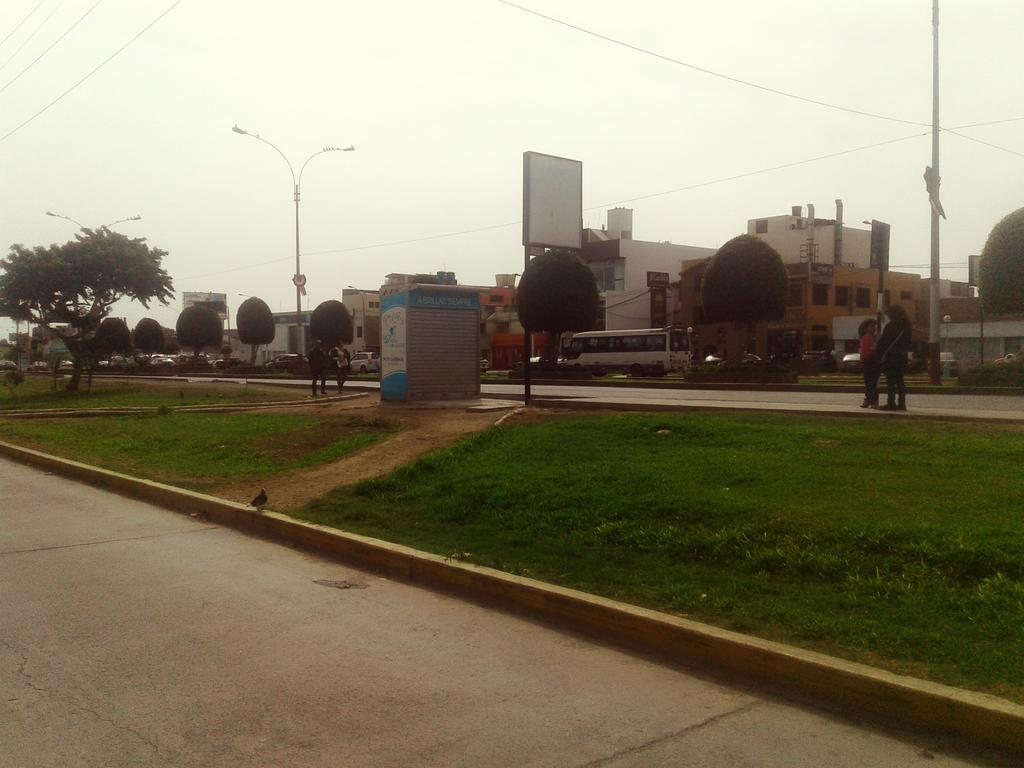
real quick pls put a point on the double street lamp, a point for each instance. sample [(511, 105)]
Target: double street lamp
[(299, 279), (80, 224)]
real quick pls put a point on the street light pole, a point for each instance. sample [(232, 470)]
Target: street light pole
[(933, 315), (136, 217), (298, 279)]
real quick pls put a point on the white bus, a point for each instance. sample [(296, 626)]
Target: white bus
[(639, 352)]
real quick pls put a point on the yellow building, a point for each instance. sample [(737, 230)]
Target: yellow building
[(825, 305)]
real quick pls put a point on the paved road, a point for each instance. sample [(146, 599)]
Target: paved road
[(945, 406), (132, 636)]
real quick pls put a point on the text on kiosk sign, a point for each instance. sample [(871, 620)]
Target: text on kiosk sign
[(444, 301)]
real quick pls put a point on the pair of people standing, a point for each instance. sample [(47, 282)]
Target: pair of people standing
[(887, 354), (320, 361)]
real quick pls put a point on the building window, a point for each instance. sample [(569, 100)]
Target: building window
[(697, 281), (842, 296), (496, 298), (863, 297), (796, 294), (819, 294), (761, 226), (359, 331), (906, 296)]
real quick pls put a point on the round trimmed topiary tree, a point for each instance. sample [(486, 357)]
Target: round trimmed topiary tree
[(331, 323), (745, 282), (557, 293), (1001, 280), (199, 327), (148, 336), (255, 323)]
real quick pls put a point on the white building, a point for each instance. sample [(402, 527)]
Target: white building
[(622, 265), (800, 238)]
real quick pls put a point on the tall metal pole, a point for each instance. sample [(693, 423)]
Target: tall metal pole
[(526, 336), (300, 342), (299, 280), (933, 314)]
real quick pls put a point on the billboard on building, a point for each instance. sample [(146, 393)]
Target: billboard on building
[(218, 302)]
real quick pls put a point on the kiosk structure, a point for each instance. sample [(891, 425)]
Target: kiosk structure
[(430, 342)]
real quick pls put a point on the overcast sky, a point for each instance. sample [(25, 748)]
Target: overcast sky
[(442, 98)]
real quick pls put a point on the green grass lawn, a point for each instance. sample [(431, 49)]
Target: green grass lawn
[(897, 544), (39, 392), (201, 451)]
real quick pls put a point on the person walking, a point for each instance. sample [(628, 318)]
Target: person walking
[(318, 367), (867, 332), (340, 363), (891, 353)]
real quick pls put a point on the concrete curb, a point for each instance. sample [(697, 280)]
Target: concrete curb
[(980, 720), (591, 404)]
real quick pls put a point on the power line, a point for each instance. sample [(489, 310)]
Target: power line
[(755, 173), (49, 48), (986, 143), (706, 71), (988, 122), (20, 23), (358, 248), (589, 208), (92, 72), (32, 34)]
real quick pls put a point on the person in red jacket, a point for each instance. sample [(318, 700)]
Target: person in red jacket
[(872, 370)]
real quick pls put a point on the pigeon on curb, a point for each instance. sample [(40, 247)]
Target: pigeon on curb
[(261, 499)]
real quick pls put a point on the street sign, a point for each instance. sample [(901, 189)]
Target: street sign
[(657, 279), (819, 272)]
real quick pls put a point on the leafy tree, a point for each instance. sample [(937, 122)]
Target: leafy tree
[(745, 282), (199, 327), (557, 293), (255, 323), (331, 323), (148, 336), (1002, 266), (68, 289)]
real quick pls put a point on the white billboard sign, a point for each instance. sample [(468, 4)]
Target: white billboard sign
[(552, 201)]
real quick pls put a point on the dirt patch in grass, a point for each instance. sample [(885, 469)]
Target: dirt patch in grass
[(421, 429)]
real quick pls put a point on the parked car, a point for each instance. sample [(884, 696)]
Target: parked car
[(851, 363), (818, 361), (8, 365), (227, 362), (1007, 359), (66, 366), (162, 361), (290, 362), (713, 360), (365, 362), (39, 365), (485, 366)]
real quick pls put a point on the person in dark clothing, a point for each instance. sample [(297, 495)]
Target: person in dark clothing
[(891, 354), (318, 367)]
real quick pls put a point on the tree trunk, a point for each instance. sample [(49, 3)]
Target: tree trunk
[(76, 376), (252, 357)]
